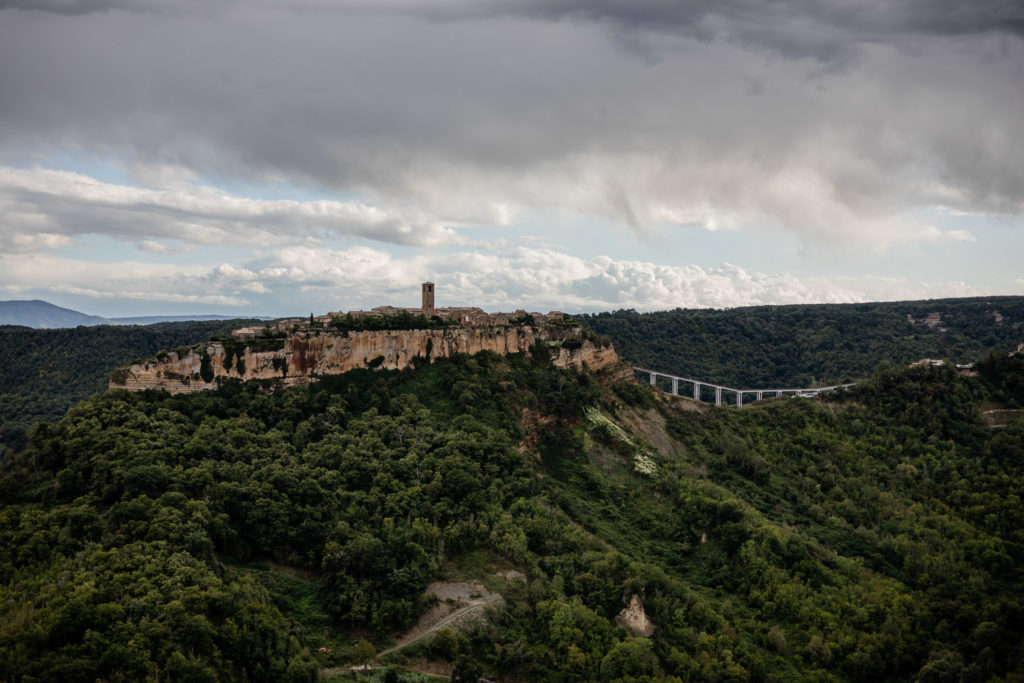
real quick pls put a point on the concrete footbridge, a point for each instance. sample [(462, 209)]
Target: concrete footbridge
[(670, 384)]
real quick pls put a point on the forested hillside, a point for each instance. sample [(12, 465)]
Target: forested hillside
[(797, 346), (233, 534), (45, 372)]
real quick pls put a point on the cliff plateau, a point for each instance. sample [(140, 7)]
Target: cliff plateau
[(303, 356)]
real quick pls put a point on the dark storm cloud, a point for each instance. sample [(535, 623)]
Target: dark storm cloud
[(747, 20), (864, 17), (467, 111), (825, 30), (79, 7)]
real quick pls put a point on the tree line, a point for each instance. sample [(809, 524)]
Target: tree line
[(812, 344), (45, 372)]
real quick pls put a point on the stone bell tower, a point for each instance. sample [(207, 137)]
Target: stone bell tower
[(428, 299)]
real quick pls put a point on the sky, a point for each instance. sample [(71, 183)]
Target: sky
[(281, 158)]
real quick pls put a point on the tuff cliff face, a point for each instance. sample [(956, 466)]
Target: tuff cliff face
[(308, 354), (600, 359)]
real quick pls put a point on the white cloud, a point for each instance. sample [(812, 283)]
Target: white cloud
[(44, 208), (45, 274), (934, 234), (15, 290), (155, 296), (297, 280), (25, 242), (152, 246)]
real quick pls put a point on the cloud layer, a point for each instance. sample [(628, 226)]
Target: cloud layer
[(834, 122), (294, 279), (45, 208), (827, 118)]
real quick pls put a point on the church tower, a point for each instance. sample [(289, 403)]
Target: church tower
[(428, 299)]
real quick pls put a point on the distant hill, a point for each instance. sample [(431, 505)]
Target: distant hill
[(45, 372), (153, 319), (44, 315), (800, 345), (41, 314)]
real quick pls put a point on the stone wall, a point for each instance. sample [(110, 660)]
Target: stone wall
[(308, 354)]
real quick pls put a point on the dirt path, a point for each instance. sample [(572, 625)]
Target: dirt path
[(458, 603), (1001, 417), (406, 641)]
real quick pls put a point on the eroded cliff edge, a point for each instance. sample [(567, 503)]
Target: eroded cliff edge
[(304, 356)]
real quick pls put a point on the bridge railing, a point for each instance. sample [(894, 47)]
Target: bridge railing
[(699, 387)]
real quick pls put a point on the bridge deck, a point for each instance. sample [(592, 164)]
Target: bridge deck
[(698, 384)]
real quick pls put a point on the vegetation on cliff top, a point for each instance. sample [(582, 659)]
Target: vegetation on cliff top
[(403, 320), (232, 534), (406, 320)]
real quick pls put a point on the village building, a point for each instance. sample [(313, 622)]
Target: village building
[(471, 316)]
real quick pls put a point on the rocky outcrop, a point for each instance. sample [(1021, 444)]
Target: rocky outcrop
[(634, 618), (303, 357), (602, 360)]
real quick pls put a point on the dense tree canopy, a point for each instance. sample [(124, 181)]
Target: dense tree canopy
[(801, 345), (232, 534), (45, 372)]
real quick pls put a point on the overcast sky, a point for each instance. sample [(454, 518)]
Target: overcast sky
[(276, 158)]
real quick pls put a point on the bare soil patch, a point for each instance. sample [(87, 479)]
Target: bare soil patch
[(458, 604), (681, 402), (649, 425), (634, 618), (1002, 417)]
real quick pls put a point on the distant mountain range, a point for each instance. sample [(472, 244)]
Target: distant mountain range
[(153, 319), (44, 315)]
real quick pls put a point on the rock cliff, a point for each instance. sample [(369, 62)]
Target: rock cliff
[(600, 359), (302, 357)]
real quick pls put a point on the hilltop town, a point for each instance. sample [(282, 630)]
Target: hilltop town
[(298, 351), (466, 316)]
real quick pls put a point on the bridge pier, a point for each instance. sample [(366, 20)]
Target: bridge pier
[(760, 394)]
